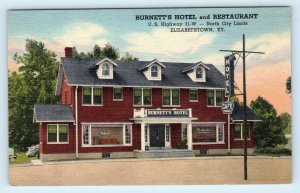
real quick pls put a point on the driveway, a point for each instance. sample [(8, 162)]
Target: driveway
[(160, 171)]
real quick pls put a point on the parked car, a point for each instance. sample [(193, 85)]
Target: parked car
[(32, 151), (11, 154)]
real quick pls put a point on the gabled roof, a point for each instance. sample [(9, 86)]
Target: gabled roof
[(127, 74), (53, 113), (101, 61), (238, 114), (143, 67), (193, 66)]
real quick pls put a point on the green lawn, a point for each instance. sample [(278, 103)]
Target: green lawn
[(21, 158)]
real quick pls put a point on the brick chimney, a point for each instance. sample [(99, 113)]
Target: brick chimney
[(68, 52)]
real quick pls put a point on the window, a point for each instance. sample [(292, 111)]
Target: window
[(208, 133), (184, 132), (154, 71), (85, 134), (167, 133), (215, 97), (199, 73), (142, 96), (105, 69), (171, 97), (146, 133), (57, 133), (118, 94), (238, 131), (92, 96), (193, 95), (106, 135), (127, 134)]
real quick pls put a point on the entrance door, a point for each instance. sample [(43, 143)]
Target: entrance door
[(157, 135)]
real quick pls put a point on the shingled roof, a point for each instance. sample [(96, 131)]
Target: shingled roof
[(127, 74), (53, 113), (238, 114)]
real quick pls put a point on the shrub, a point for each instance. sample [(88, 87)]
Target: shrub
[(273, 151), (182, 145)]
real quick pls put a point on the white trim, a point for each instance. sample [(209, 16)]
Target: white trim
[(50, 121), (103, 60), (107, 123), (167, 87), (242, 132), (168, 127), (216, 124), (76, 123), (57, 134), (247, 120)]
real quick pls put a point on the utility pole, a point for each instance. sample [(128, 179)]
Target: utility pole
[(245, 128)]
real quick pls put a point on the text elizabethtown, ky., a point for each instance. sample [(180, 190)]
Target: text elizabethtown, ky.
[(197, 23)]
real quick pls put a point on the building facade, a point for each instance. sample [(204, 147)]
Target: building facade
[(116, 109)]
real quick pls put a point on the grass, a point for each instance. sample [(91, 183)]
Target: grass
[(21, 159)]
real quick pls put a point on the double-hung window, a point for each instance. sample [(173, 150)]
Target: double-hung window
[(239, 131), (57, 133), (142, 96), (193, 95), (105, 69), (154, 71), (215, 97), (92, 96), (171, 97), (118, 94)]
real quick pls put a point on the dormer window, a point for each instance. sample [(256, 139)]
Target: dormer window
[(199, 73), (154, 71), (105, 69)]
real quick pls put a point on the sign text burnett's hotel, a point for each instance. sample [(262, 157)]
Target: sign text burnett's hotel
[(194, 17)]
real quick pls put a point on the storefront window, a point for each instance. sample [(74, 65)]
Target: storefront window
[(208, 133), (193, 95), (108, 134)]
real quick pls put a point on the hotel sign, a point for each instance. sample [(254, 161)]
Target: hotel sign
[(168, 113), (229, 75)]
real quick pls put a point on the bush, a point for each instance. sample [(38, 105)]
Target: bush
[(182, 145), (273, 151)]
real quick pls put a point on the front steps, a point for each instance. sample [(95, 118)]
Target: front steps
[(159, 153)]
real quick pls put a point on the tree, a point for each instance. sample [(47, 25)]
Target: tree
[(267, 133), (129, 57), (35, 83), (285, 122), (288, 85), (110, 52)]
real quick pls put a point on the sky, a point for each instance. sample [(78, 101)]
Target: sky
[(269, 33)]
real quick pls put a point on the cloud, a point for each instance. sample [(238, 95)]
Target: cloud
[(164, 43), (277, 48)]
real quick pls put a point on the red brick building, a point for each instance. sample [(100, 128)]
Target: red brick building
[(115, 108)]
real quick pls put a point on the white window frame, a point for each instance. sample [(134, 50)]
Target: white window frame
[(171, 97), (167, 138), (215, 98), (103, 70), (217, 133), (242, 132), (57, 134), (142, 97), (108, 145), (92, 96), (157, 71), (121, 99), (129, 126), (196, 94), (201, 73)]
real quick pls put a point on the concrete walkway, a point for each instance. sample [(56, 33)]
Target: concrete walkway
[(159, 171)]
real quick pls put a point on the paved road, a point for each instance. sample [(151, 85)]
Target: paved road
[(187, 171)]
